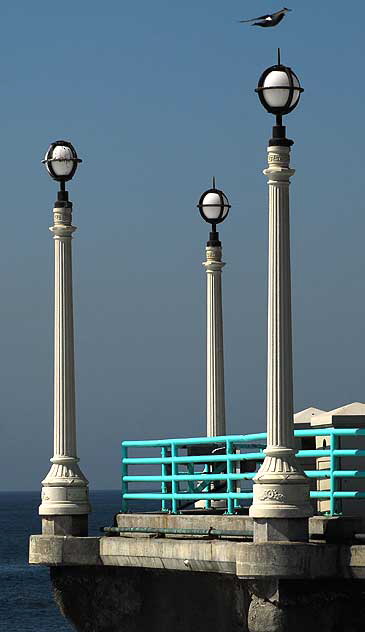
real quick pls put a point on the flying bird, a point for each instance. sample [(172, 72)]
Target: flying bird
[(271, 19)]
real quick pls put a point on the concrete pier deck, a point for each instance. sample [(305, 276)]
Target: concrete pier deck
[(243, 559)]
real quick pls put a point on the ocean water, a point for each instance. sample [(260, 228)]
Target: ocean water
[(26, 602)]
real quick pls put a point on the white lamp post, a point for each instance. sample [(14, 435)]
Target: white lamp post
[(281, 503), (65, 505), (214, 208)]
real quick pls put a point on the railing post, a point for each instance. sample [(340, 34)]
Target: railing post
[(164, 506), (124, 482), (174, 483), (208, 503), (333, 480), (237, 484), (230, 504)]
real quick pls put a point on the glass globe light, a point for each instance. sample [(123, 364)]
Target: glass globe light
[(214, 206), (61, 160), (279, 89)]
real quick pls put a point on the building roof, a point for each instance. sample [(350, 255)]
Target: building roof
[(305, 416), (349, 410)]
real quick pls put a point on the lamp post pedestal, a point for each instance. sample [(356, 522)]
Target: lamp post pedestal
[(281, 504), (65, 505)]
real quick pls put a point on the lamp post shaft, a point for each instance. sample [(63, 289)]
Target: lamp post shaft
[(216, 418), (64, 366), (279, 353), (65, 503), (281, 503)]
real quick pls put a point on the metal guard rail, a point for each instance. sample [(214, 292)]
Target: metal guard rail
[(197, 482)]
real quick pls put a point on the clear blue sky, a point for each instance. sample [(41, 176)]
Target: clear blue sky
[(157, 97)]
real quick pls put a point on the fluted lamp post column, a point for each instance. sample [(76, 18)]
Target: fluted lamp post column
[(214, 208), (281, 504), (65, 504)]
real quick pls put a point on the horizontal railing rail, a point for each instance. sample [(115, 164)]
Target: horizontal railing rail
[(189, 470)]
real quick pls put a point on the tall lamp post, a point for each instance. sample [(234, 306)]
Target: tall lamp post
[(281, 504), (214, 208), (65, 505)]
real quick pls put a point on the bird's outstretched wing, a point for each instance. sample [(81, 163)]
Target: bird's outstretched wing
[(261, 17), (274, 15)]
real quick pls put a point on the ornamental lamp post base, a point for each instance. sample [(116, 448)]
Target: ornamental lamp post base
[(281, 501), (281, 508), (65, 508), (65, 499)]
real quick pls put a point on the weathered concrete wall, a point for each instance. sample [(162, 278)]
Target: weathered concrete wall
[(107, 599), (114, 599), (312, 606)]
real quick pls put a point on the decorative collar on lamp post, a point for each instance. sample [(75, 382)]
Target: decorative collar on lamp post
[(279, 91), (214, 208)]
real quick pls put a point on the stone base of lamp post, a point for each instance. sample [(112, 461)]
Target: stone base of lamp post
[(65, 525), (281, 510), (280, 529), (65, 499), (281, 504)]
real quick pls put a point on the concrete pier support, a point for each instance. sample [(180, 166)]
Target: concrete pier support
[(216, 416), (107, 599), (110, 599), (281, 503), (65, 505), (327, 606), (134, 582)]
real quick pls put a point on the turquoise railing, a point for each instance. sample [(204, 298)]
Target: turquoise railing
[(217, 468)]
